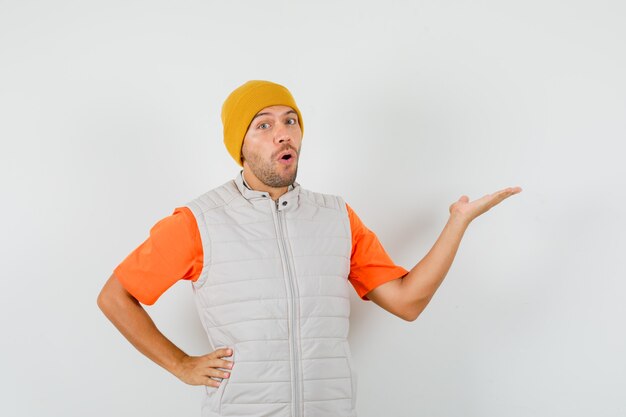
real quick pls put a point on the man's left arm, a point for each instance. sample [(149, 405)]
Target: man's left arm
[(409, 295)]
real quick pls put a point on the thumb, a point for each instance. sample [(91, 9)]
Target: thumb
[(464, 199)]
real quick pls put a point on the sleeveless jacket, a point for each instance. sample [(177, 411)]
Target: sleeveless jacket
[(274, 288)]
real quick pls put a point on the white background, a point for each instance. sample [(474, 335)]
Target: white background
[(109, 119)]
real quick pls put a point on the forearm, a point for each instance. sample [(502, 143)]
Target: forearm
[(130, 318), (420, 284)]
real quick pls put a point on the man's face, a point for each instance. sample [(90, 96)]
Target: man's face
[(271, 147)]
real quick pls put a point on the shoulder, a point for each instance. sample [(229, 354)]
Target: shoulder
[(177, 230), (217, 197), (356, 224), (329, 201)]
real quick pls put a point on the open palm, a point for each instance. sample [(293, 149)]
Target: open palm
[(469, 210)]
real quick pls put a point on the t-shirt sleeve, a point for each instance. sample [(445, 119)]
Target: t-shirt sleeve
[(172, 252), (370, 265)]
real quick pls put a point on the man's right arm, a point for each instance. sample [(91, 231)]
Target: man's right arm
[(132, 320)]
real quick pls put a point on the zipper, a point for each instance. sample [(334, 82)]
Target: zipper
[(294, 331)]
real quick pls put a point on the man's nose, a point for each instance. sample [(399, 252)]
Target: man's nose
[(282, 135)]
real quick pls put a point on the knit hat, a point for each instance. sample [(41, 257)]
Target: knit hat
[(244, 103)]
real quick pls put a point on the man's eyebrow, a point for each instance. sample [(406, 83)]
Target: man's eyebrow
[(266, 114)]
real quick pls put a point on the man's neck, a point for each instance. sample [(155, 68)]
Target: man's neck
[(253, 183)]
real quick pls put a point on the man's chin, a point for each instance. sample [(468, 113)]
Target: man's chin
[(289, 173)]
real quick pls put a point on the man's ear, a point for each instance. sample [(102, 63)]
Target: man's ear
[(241, 152)]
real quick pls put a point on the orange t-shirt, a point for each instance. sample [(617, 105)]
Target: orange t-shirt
[(173, 251)]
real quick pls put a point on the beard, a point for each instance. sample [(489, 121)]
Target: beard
[(269, 173)]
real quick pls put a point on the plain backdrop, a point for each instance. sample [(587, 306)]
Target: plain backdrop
[(110, 118)]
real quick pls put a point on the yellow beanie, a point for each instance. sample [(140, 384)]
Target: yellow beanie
[(244, 103)]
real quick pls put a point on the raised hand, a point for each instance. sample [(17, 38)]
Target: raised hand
[(469, 210)]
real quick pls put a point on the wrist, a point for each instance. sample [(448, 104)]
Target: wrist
[(178, 365), (459, 219)]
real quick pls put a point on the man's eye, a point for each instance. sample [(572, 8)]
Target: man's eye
[(291, 121), (264, 126)]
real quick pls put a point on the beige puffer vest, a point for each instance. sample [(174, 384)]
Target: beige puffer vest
[(274, 288)]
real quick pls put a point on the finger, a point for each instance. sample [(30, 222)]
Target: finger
[(225, 352), (218, 353), (499, 196), (226, 364), (219, 363), (511, 190), (217, 373), (211, 382)]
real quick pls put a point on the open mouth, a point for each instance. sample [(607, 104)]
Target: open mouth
[(287, 158)]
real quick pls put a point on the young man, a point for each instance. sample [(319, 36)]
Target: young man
[(270, 265)]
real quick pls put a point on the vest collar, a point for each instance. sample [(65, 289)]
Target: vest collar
[(287, 201)]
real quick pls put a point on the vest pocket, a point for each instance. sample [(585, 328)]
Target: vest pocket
[(217, 394), (224, 384)]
